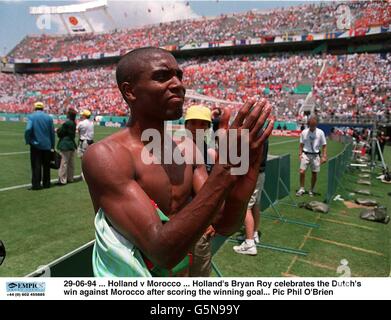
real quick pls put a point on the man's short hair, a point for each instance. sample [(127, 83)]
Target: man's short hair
[(313, 118), (131, 64)]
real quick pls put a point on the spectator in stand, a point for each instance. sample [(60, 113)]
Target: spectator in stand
[(350, 86)]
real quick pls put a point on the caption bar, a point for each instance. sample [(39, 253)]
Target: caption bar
[(195, 288)]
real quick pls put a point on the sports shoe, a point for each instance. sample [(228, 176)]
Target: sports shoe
[(300, 192), (246, 248), (311, 193), (242, 237)]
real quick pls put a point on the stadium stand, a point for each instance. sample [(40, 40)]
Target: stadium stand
[(354, 86), (303, 19), (349, 86)]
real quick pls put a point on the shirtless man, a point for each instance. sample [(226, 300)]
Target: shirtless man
[(145, 222)]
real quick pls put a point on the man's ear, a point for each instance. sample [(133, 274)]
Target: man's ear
[(127, 92)]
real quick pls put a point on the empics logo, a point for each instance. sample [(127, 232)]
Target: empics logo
[(22, 286)]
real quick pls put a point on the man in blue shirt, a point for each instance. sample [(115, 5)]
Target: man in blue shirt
[(39, 134)]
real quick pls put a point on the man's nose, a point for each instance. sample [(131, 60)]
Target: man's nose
[(177, 85)]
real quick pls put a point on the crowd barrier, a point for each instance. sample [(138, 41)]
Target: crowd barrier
[(336, 169)]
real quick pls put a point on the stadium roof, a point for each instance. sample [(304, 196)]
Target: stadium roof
[(73, 8)]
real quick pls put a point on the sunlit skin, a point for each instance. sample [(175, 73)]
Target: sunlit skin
[(123, 185)]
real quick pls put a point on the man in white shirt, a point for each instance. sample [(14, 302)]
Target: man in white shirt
[(312, 140), (85, 128)]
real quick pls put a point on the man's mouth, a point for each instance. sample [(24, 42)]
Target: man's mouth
[(179, 98)]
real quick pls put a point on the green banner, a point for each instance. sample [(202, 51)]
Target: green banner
[(303, 89)]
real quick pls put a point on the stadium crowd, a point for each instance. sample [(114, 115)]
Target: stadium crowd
[(299, 19), (90, 88), (238, 78), (343, 86), (354, 86)]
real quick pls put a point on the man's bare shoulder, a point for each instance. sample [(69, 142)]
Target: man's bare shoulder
[(111, 156)]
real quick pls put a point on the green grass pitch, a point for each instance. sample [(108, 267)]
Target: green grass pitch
[(40, 226)]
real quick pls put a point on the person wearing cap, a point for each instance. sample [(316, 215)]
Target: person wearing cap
[(85, 128), (67, 146), (199, 117), (39, 134)]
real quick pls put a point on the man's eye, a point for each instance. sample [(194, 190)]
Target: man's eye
[(162, 76)]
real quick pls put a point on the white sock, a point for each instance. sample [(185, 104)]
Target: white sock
[(255, 234), (250, 242), (301, 189)]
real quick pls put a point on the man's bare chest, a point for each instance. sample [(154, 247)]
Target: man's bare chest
[(170, 186)]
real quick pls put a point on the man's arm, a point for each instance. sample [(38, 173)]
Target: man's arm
[(231, 215), (112, 184), (61, 131), (324, 154), (200, 176), (52, 135), (27, 132), (301, 145), (235, 205), (324, 149), (113, 187)]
